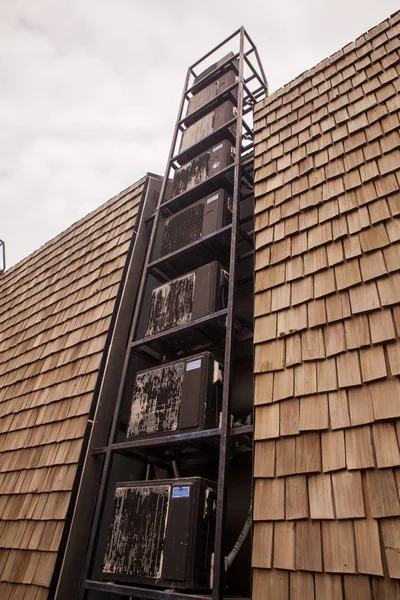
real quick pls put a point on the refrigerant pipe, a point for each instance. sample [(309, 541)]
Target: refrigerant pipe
[(242, 536)]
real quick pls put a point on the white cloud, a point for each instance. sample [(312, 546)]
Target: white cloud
[(91, 88)]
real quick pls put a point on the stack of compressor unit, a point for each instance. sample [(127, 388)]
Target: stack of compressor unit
[(162, 529)]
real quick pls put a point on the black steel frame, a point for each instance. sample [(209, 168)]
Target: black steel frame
[(247, 95), (76, 532), (2, 257), (144, 594)]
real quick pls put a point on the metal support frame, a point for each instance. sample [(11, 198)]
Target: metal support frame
[(250, 86), (2, 257), (71, 553), (219, 567)]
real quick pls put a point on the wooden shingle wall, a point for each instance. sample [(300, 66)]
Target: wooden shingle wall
[(55, 312), (327, 330)]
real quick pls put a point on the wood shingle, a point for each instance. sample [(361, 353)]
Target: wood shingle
[(333, 197), (54, 318)]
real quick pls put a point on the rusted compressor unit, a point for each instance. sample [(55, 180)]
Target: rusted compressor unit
[(194, 222), (162, 533), (210, 90), (182, 395), (187, 298), (213, 120), (202, 167)]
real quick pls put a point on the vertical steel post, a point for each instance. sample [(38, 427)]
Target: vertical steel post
[(219, 560), (2, 257)]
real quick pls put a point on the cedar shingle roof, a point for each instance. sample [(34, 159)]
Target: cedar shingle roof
[(327, 329), (55, 313)]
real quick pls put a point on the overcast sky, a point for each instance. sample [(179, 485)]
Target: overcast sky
[(90, 89)]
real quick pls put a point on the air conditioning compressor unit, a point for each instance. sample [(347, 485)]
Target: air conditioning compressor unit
[(194, 222), (202, 167), (213, 120), (175, 397), (187, 298), (162, 533), (212, 90)]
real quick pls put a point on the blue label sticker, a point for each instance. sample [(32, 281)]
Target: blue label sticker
[(194, 364), (181, 492), (212, 199)]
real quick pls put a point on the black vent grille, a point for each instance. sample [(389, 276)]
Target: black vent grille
[(182, 229)]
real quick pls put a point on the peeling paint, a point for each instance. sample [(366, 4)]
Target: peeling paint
[(136, 538), (191, 174), (171, 304), (202, 167), (156, 400), (198, 131)]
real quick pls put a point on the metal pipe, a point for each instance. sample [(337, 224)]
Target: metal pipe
[(148, 470), (2, 257), (175, 469)]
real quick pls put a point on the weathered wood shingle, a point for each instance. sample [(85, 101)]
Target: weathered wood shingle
[(327, 298), (55, 312)]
